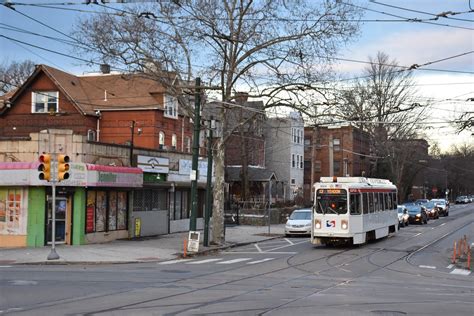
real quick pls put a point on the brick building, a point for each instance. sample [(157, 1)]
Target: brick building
[(334, 151)]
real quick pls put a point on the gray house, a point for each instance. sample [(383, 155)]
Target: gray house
[(284, 152)]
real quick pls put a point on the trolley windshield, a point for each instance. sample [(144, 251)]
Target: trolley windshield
[(331, 201)]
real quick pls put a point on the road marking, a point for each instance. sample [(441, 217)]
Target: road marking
[(175, 261), (258, 248), (427, 267), (289, 241), (450, 266), (442, 224), (460, 272), (260, 261), (5, 266), (417, 234), (204, 261), (263, 252), (234, 260)]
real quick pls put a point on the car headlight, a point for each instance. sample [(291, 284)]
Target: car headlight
[(418, 215), (307, 225)]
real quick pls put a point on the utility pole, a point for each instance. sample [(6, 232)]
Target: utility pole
[(208, 186), (194, 176)]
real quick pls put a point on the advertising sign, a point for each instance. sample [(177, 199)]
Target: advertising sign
[(153, 164)]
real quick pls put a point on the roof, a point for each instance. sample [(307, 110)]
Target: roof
[(102, 92), (255, 174)]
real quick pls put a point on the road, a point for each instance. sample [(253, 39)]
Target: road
[(406, 273)]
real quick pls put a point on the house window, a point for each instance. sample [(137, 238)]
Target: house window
[(161, 140), (337, 144), (337, 167), (44, 102), (171, 106), (187, 143), (317, 166), (301, 162), (174, 141), (293, 162), (307, 144), (293, 181)]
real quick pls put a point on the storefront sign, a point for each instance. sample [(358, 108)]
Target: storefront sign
[(108, 176), (154, 177), (153, 164)]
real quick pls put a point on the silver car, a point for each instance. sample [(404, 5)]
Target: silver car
[(299, 223)]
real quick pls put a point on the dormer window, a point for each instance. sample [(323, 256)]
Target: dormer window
[(44, 102), (171, 106)]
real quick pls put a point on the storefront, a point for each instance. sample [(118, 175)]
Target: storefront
[(92, 206)]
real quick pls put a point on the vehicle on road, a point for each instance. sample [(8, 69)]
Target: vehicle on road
[(421, 201), (443, 206), (416, 214), (353, 210), (431, 209), (299, 223), (462, 200), (402, 216)]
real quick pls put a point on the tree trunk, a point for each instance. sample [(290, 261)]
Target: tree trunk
[(219, 194)]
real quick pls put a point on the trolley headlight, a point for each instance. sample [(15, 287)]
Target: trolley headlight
[(317, 224), (344, 224)]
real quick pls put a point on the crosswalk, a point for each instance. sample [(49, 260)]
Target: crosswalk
[(216, 261)]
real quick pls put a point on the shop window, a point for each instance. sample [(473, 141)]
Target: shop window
[(106, 211), (10, 208)]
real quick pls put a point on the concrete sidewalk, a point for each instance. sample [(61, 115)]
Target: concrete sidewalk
[(164, 247)]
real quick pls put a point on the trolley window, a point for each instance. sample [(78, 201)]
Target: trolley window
[(331, 201), (355, 203), (365, 203)]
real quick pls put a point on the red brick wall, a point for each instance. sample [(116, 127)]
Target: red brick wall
[(19, 121), (255, 150)]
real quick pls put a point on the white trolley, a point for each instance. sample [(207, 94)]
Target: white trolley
[(353, 209)]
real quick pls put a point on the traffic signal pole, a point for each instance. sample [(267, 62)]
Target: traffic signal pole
[(53, 254)]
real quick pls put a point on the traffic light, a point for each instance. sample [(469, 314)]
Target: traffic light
[(63, 167), (45, 167)]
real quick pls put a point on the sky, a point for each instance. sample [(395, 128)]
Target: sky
[(447, 83)]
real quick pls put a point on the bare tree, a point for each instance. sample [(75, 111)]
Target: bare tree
[(383, 103), (274, 49), (12, 75)]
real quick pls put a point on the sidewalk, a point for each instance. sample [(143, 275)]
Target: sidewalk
[(164, 247)]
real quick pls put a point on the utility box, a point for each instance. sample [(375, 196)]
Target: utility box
[(193, 241)]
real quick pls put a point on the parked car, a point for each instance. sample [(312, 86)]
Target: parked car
[(431, 209), (442, 205), (299, 223), (402, 215), (462, 200), (416, 214)]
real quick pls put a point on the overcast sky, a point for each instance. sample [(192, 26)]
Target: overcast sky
[(449, 83)]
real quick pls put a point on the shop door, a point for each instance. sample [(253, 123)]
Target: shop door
[(62, 220)]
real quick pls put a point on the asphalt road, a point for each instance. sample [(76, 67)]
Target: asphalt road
[(406, 273)]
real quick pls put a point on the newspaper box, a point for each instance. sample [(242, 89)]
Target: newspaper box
[(193, 241)]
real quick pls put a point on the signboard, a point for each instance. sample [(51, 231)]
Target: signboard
[(153, 164), (193, 241), (185, 167)]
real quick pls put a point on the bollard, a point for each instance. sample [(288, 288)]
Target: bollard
[(468, 263), (459, 248), (454, 253), (185, 247)]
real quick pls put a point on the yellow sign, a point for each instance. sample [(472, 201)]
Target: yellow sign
[(138, 224)]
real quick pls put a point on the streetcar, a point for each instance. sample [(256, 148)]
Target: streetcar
[(353, 210)]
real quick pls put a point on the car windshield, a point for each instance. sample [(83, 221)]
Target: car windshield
[(301, 215), (439, 202), (429, 205), (331, 201), (413, 209)]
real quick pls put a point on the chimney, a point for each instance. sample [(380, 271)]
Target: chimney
[(241, 97), (105, 68)]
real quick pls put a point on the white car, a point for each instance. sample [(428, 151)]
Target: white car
[(299, 223), (402, 215)]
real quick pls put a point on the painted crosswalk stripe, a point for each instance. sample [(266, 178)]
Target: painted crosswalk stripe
[(204, 261), (427, 267), (450, 266), (234, 260), (175, 261), (260, 261), (461, 272)]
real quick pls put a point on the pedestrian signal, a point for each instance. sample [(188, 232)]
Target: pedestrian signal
[(45, 167), (63, 167)]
